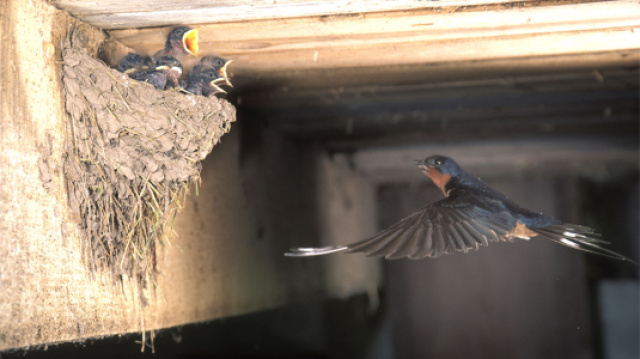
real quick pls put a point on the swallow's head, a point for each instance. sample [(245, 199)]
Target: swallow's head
[(442, 164), (213, 61), (211, 84), (440, 169), (183, 39), (220, 65), (205, 81)]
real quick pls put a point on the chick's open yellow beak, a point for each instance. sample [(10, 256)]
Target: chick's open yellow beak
[(223, 73), (215, 83), (190, 41)]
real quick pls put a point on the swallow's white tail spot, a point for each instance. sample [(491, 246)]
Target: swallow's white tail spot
[(573, 235), (569, 243)]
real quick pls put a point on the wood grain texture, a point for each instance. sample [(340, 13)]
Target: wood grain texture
[(131, 14), (217, 266), (48, 295), (289, 52)]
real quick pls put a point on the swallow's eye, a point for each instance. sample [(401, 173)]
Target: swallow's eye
[(439, 162)]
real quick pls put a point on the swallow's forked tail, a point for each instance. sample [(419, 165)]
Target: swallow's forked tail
[(308, 252), (580, 238)]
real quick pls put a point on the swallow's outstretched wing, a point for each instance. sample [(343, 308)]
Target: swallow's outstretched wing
[(461, 222), (453, 224)]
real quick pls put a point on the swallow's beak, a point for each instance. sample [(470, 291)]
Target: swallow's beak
[(223, 73), (190, 41), (177, 69), (215, 83), (423, 166), (163, 67)]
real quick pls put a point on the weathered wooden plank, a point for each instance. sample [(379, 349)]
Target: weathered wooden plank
[(409, 52), (316, 33), (47, 292), (224, 262), (269, 49), (567, 81), (128, 14), (279, 82), (256, 9)]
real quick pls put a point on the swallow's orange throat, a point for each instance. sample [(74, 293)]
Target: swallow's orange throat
[(438, 178)]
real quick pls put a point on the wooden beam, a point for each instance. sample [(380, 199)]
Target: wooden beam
[(281, 82), (271, 51), (226, 260), (566, 81), (311, 34), (47, 293), (347, 119), (121, 14)]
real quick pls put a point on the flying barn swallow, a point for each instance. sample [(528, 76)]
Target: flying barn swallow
[(181, 42), (471, 215), (163, 76)]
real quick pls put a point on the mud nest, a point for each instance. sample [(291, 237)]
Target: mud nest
[(133, 154)]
